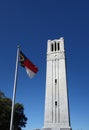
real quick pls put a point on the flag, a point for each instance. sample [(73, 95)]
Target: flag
[(31, 69)]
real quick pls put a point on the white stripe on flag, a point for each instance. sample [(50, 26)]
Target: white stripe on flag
[(30, 72)]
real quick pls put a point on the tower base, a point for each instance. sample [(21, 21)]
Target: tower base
[(56, 129)]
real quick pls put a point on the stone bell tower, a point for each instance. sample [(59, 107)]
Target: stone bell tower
[(56, 99)]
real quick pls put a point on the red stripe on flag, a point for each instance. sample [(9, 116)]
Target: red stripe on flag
[(30, 66)]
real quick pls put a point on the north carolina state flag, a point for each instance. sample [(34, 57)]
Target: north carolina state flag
[(31, 69)]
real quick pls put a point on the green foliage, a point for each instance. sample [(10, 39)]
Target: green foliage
[(2, 95), (19, 117), (5, 114)]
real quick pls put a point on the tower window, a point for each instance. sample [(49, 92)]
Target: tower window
[(58, 46), (55, 103), (55, 81), (51, 47), (55, 46)]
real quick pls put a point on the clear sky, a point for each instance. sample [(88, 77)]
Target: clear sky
[(31, 23)]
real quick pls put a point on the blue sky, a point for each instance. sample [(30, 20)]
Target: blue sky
[(30, 23)]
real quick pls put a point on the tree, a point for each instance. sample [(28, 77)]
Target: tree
[(5, 114), (19, 117), (2, 95)]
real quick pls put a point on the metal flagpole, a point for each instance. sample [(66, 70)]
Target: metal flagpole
[(14, 89)]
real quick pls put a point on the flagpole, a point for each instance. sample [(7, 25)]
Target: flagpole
[(14, 89)]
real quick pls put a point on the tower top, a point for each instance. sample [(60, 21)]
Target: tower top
[(61, 38), (56, 45)]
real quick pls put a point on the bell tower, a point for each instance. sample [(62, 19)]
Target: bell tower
[(56, 98)]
